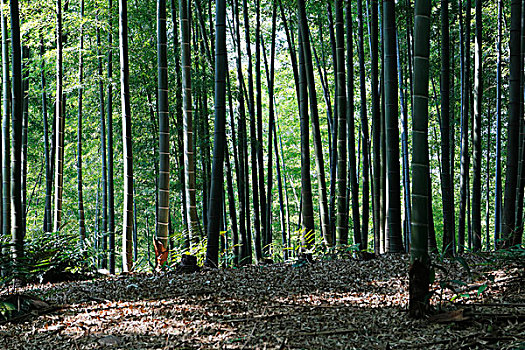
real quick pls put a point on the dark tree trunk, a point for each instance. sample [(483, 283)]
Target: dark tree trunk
[(17, 215), (465, 158), (419, 272), (447, 189), (81, 216), (364, 125), (352, 175), (392, 129), (217, 179), (518, 232), (508, 222), (6, 137)]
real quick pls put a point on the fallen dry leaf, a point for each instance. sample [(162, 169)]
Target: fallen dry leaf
[(337, 304)]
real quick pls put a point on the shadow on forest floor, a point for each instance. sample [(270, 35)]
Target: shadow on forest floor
[(339, 304)]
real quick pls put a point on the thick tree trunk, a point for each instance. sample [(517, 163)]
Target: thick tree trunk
[(447, 189), (164, 127), (392, 129), (508, 222), (419, 272), (189, 162), (17, 215), (217, 178)]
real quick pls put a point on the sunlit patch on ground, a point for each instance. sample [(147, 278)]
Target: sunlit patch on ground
[(340, 304)]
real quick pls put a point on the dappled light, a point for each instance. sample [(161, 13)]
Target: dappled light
[(333, 304), (268, 174)]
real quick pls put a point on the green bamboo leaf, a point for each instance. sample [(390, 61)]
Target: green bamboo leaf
[(482, 288)]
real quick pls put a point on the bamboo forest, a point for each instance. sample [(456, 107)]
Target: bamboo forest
[(263, 174)]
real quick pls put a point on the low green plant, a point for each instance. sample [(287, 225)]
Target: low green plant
[(514, 255), (446, 281), (45, 252), (6, 310)]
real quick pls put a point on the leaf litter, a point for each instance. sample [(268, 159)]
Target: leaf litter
[(332, 304)]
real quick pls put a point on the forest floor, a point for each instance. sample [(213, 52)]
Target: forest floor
[(329, 304)]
